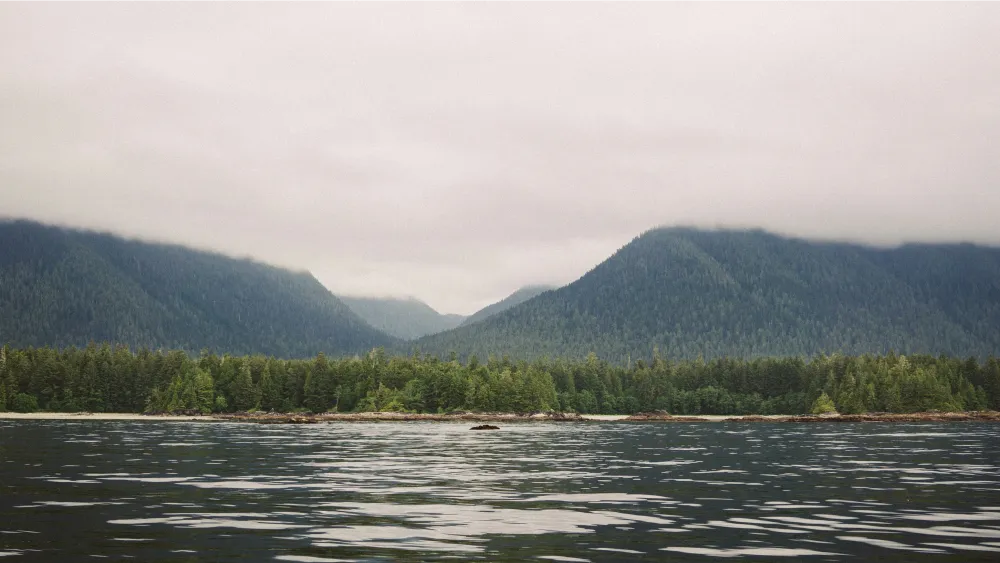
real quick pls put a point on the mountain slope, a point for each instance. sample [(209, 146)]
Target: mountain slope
[(64, 287), (402, 318), (512, 300), (749, 293)]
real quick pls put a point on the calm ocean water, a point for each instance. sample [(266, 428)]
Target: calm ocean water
[(155, 491)]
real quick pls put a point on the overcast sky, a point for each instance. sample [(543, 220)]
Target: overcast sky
[(455, 152)]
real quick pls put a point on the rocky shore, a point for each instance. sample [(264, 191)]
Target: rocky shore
[(297, 418), (280, 418), (976, 416)]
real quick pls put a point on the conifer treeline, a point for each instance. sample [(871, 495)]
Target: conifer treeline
[(106, 379)]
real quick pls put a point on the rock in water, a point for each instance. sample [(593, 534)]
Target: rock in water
[(485, 427)]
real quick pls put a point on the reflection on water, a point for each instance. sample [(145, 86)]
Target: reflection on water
[(559, 492)]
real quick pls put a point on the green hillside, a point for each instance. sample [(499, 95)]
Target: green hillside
[(62, 287), (514, 299), (402, 318), (748, 294)]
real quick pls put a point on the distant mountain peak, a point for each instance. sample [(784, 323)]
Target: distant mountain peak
[(403, 317)]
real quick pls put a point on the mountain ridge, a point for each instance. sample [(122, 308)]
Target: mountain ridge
[(688, 292), (61, 286), (748, 293), (519, 296)]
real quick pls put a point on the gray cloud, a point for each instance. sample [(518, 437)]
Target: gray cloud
[(458, 151)]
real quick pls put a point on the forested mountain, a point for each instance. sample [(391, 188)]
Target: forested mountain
[(749, 293), (516, 298), (63, 287), (402, 318)]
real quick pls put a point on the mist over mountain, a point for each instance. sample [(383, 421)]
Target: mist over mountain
[(516, 298), (405, 318), (61, 287), (749, 293), (685, 291)]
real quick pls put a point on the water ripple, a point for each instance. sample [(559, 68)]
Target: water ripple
[(559, 492)]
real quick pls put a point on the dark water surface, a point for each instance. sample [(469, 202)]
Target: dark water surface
[(157, 491)]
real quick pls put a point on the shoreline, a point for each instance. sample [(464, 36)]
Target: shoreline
[(123, 416), (289, 418)]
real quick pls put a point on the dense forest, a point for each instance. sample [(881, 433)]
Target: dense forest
[(752, 294), (104, 379), (512, 300), (403, 318), (62, 287)]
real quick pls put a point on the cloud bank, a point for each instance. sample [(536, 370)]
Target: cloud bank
[(455, 152)]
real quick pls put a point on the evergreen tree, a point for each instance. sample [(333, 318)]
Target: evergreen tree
[(991, 383), (245, 394), (849, 397), (270, 390), (5, 388), (823, 405), (318, 388), (3, 392)]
